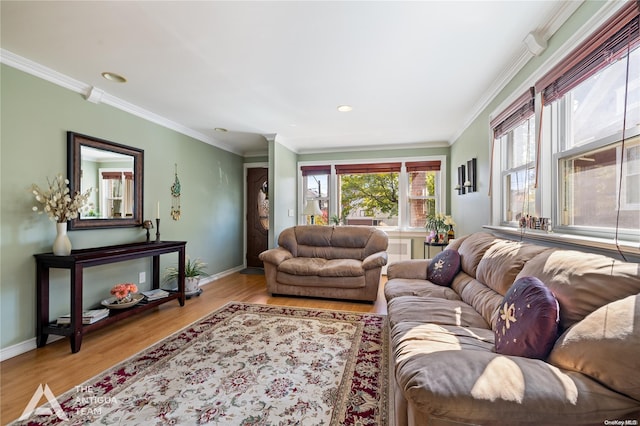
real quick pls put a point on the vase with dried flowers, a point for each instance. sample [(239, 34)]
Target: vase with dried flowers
[(122, 292), (61, 206)]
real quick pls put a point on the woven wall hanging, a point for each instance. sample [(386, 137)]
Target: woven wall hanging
[(175, 197)]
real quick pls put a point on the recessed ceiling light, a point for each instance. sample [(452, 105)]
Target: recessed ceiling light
[(112, 76), (345, 108), (220, 129)]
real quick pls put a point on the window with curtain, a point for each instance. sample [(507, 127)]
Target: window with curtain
[(424, 191), (514, 140), (368, 194), (315, 184), (395, 194), (574, 156), (591, 101)]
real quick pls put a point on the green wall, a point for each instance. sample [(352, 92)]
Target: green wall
[(35, 117), (283, 173)]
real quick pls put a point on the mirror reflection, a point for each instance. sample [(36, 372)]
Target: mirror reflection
[(115, 172), (111, 175)]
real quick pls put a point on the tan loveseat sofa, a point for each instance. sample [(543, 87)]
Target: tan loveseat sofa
[(338, 262), (443, 351)]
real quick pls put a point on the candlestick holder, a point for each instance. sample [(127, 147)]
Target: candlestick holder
[(148, 225), (157, 230)]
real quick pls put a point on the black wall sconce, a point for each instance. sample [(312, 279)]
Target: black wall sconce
[(461, 178), (470, 183), (466, 178)]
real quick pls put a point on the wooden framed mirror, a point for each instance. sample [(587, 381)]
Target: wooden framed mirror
[(115, 172)]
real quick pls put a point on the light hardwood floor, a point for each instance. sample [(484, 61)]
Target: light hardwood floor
[(61, 370)]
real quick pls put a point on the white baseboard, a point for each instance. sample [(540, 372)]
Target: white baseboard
[(23, 347), (30, 344)]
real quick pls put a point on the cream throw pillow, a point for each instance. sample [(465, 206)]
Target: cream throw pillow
[(605, 346)]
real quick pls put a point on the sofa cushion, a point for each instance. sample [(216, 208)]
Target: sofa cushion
[(342, 268), (472, 249), (483, 299), (443, 267), (302, 266), (333, 242), (502, 262), (415, 287), (606, 346), (318, 281), (412, 338), (452, 373), (313, 235), (433, 310), (305, 266), (528, 322), (582, 282)]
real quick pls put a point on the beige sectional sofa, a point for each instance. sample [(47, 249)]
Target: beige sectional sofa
[(444, 360), (337, 262)]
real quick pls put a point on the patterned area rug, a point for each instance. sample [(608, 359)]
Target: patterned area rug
[(246, 365)]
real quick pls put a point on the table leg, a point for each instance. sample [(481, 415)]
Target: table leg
[(76, 308), (156, 272), (42, 304), (181, 268)]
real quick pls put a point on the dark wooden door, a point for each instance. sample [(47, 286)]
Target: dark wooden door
[(257, 214)]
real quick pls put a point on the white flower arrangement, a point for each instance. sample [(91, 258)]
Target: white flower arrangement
[(448, 220), (57, 201)]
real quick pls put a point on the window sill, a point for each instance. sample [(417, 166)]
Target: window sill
[(607, 247), (394, 231)]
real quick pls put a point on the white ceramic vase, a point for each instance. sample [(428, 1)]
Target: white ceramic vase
[(62, 244)]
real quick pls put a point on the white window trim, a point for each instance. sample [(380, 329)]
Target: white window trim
[(624, 205)]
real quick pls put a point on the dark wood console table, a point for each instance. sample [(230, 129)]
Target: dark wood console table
[(76, 262)]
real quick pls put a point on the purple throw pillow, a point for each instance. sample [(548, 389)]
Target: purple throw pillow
[(527, 323), (443, 267)]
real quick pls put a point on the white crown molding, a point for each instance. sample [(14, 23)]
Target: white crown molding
[(417, 145), (250, 154), (276, 138), (555, 20), (40, 71), (597, 20), (30, 67)]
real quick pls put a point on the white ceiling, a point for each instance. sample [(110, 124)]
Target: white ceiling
[(416, 73)]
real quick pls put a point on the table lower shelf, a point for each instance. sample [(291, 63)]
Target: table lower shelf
[(114, 316)]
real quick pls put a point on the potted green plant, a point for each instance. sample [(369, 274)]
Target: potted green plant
[(438, 224), (193, 271)]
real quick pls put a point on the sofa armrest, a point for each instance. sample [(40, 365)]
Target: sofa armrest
[(375, 260), (275, 255), (410, 269)]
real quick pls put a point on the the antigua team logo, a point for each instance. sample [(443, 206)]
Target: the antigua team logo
[(32, 406)]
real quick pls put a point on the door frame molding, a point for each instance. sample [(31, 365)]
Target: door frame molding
[(262, 165)]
